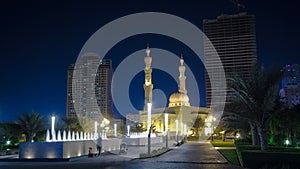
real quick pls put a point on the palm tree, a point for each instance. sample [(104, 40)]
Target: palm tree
[(237, 116), (31, 123), (256, 97), (72, 124)]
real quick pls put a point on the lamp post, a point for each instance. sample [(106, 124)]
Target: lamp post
[(128, 130), (149, 141), (115, 129), (166, 127), (52, 127), (213, 119), (176, 126), (149, 126), (149, 107)]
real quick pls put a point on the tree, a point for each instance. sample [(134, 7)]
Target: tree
[(198, 124), (256, 97), (287, 125), (72, 124), (237, 116), (139, 127), (9, 132), (233, 123), (79, 123), (31, 124)]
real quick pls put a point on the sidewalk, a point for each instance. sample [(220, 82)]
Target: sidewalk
[(193, 152)]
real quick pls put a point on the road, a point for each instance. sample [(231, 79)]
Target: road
[(191, 155)]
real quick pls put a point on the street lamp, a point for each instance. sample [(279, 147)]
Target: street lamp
[(128, 130), (115, 129), (149, 107), (166, 127), (176, 126)]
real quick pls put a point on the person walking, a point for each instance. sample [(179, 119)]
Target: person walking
[(99, 145)]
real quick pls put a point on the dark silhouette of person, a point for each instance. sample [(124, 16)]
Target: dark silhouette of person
[(99, 145)]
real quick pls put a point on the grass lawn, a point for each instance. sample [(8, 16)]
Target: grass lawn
[(231, 156), (222, 144)]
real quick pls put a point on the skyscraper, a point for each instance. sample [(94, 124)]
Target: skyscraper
[(102, 86), (291, 75), (70, 112), (233, 37), (290, 85)]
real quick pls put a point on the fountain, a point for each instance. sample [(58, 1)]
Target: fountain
[(54, 136), (47, 136), (64, 144), (92, 136), (64, 135), (77, 135), (81, 135), (73, 135), (58, 136), (69, 135), (88, 136)]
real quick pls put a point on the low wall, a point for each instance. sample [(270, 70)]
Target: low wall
[(142, 141), (66, 149)]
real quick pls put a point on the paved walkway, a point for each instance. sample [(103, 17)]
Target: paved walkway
[(193, 152), (192, 155)]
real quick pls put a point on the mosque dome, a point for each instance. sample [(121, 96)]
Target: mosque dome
[(179, 99)]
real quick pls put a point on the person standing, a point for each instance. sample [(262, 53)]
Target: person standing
[(99, 145)]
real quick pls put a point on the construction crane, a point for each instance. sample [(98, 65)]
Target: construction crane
[(238, 4)]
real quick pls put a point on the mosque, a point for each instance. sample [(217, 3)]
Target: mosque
[(179, 117)]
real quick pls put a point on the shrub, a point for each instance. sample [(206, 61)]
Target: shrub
[(222, 144), (8, 152), (242, 141), (154, 152)]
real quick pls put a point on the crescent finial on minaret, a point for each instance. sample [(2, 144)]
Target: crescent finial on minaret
[(148, 50), (181, 60)]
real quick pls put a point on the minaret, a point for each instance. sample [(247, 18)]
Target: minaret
[(148, 86), (182, 77)]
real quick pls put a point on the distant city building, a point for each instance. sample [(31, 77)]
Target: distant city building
[(70, 102), (102, 90), (290, 91), (233, 37), (291, 75)]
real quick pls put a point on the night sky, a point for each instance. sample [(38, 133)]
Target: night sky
[(40, 39)]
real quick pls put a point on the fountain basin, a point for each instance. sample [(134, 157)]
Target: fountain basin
[(64, 150)]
